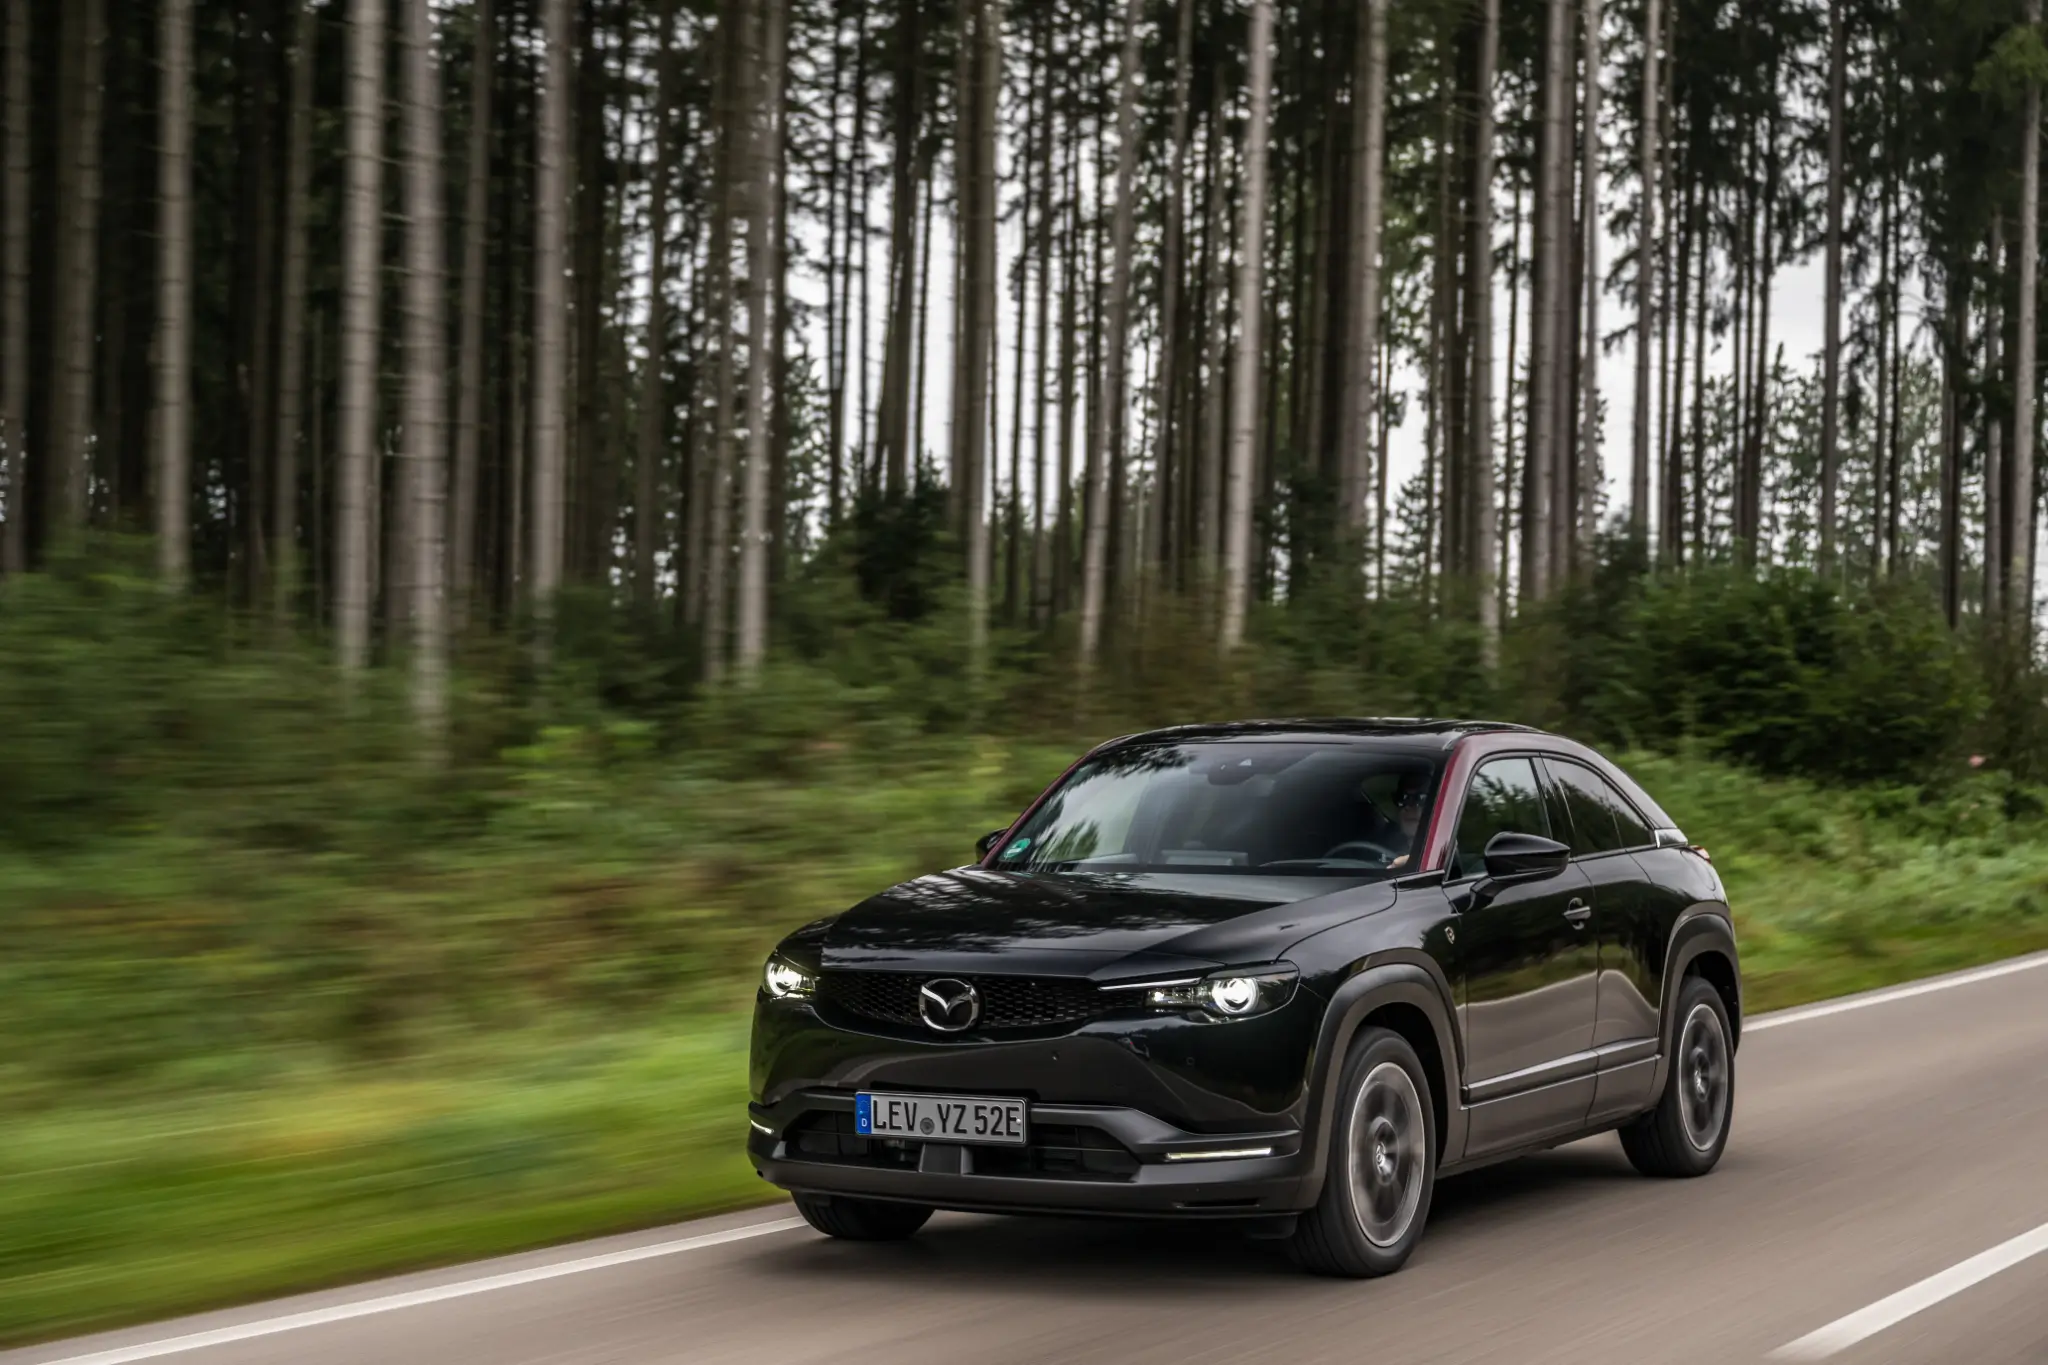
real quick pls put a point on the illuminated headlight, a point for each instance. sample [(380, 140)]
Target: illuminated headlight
[(1228, 995), (781, 981)]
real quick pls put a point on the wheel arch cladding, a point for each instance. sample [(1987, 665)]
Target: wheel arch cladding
[(1410, 1001), (1412, 1025), (1711, 965)]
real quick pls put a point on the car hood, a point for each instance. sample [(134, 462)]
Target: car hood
[(1103, 926)]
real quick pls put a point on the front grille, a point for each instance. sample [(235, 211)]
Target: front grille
[(1056, 1151), (1007, 1002)]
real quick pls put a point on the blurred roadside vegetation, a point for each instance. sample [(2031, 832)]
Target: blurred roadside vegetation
[(284, 1003)]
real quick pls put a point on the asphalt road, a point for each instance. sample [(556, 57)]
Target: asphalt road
[(1884, 1198)]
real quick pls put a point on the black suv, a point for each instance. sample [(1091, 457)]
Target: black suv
[(1281, 972)]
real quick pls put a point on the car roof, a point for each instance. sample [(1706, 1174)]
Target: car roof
[(1328, 728)]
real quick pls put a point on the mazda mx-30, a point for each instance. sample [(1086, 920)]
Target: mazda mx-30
[(1287, 973)]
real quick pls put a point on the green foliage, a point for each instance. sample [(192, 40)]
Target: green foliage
[(1787, 674), (216, 858), (2018, 60)]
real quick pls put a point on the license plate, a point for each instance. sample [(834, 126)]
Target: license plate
[(940, 1118)]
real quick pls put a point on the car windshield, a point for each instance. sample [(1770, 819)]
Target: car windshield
[(1350, 809)]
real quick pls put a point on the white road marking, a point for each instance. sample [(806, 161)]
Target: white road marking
[(1802, 1013), (320, 1317), (389, 1303), (1843, 1333)]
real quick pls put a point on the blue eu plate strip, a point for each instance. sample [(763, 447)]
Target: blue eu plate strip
[(864, 1115)]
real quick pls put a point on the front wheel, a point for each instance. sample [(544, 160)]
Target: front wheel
[(861, 1220), (1382, 1164), (1687, 1131)]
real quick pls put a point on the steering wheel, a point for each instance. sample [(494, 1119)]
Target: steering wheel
[(1361, 850)]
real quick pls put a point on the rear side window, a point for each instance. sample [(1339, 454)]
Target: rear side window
[(1602, 820), (1504, 797)]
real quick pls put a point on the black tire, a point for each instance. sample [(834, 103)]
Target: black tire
[(1381, 1168), (1688, 1130), (861, 1220)]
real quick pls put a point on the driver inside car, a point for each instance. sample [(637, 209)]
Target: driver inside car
[(1408, 801)]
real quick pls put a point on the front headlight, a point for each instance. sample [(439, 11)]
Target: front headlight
[(1238, 994), (782, 981)]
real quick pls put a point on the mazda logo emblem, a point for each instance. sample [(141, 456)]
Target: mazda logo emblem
[(949, 1006)]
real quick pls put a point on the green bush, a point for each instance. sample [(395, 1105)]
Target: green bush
[(1789, 675)]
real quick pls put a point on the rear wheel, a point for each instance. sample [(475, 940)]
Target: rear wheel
[(1687, 1131), (1382, 1164), (861, 1220)]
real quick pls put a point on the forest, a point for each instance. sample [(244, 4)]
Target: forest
[(509, 506), (410, 327)]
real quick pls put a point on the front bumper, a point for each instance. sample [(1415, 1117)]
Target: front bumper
[(1083, 1159)]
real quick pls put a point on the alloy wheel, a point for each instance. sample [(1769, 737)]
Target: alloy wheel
[(1387, 1133), (1703, 1077)]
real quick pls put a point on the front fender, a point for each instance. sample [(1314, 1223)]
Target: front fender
[(1376, 983)]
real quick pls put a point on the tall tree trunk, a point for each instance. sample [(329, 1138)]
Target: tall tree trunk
[(1893, 457), (654, 407), (1994, 435), (1508, 448), (974, 155), (1548, 307), (462, 517), (1697, 445), (1040, 600), (1831, 344), (546, 514), (1951, 547), (1446, 452), (1368, 206), (893, 428), (1217, 282), (1589, 428), (172, 461), (714, 542), (1671, 501), (1754, 549), (426, 375), (1108, 445), (835, 465), (1571, 237), (291, 327), (924, 309), (78, 272), (1671, 300), (764, 142), (1244, 382), (1484, 520), (2020, 539), (1880, 473), (1070, 288), (362, 256), (1013, 538), (589, 481), (14, 243), (252, 304), (1169, 471), (1646, 273)]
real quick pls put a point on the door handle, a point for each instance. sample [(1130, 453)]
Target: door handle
[(1578, 913)]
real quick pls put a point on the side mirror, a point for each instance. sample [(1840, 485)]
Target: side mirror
[(1512, 857), (987, 842)]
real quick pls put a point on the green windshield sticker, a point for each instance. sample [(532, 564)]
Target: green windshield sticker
[(1014, 849)]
